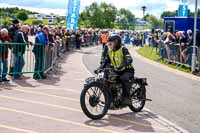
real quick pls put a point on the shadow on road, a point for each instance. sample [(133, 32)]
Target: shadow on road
[(129, 122), (53, 77), (87, 53)]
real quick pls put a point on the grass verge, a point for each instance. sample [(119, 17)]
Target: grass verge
[(152, 55)]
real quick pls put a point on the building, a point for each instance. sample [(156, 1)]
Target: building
[(41, 16), (38, 16), (140, 22), (52, 21), (180, 24)]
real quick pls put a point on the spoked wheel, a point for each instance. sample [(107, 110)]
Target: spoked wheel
[(94, 101), (139, 99)]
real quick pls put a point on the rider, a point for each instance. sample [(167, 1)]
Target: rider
[(119, 57)]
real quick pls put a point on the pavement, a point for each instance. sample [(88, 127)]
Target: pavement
[(53, 106)]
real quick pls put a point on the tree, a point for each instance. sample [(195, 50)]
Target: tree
[(91, 16), (22, 16), (37, 22), (169, 14), (146, 16), (11, 12), (155, 22), (175, 13), (106, 16), (6, 23), (109, 15), (125, 19), (98, 16), (59, 19)]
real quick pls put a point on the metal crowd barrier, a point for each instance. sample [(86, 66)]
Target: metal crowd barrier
[(172, 53), (17, 59), (52, 54), (21, 58)]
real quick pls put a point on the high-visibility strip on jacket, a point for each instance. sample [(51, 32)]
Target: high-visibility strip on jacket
[(117, 57)]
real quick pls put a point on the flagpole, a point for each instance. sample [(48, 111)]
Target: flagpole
[(194, 41)]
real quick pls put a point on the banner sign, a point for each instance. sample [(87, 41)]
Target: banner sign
[(73, 14), (183, 8)]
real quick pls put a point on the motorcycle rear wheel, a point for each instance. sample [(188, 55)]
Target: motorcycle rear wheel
[(141, 99)]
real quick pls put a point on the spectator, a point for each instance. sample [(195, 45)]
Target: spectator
[(78, 40), (21, 37), (73, 40), (39, 51), (141, 39), (104, 38), (162, 50), (156, 40), (4, 38), (67, 41), (181, 40), (168, 41), (12, 31), (187, 52), (126, 39)]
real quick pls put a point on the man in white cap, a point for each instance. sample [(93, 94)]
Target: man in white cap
[(4, 39)]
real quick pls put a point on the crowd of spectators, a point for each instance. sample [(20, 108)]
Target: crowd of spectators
[(176, 47), (16, 42), (49, 42)]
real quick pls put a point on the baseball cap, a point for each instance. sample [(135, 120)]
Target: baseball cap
[(15, 21)]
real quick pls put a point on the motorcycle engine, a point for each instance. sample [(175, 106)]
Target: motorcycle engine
[(117, 93)]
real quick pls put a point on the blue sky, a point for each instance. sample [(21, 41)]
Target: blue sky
[(60, 6)]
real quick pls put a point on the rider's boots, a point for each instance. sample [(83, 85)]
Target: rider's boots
[(127, 97)]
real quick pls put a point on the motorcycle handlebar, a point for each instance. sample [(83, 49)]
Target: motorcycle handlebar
[(99, 70)]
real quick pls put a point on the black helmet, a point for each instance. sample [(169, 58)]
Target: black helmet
[(115, 37), (117, 41)]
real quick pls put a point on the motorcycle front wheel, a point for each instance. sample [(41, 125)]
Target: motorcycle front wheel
[(94, 101)]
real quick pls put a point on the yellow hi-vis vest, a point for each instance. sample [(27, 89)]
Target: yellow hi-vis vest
[(117, 57)]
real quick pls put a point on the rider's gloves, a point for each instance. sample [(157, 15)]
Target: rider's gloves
[(96, 71)]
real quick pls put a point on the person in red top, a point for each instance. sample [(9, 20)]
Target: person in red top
[(4, 39)]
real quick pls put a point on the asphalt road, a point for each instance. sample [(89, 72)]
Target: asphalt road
[(175, 97), (53, 105)]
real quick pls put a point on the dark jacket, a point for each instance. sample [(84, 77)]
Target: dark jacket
[(12, 31), (4, 47), (21, 38)]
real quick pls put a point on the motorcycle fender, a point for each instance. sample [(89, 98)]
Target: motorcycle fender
[(89, 80), (142, 81)]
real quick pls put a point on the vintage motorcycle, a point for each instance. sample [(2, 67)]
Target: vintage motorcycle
[(105, 92)]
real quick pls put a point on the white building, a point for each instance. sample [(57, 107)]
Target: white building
[(51, 18), (41, 16), (52, 21), (36, 16)]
